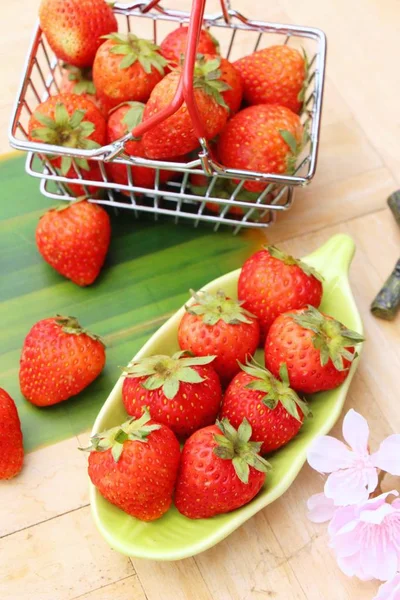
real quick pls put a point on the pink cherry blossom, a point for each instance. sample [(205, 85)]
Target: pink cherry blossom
[(320, 508), (366, 538), (353, 470), (390, 590)]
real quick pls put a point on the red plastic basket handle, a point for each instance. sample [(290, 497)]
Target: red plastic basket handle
[(184, 92)]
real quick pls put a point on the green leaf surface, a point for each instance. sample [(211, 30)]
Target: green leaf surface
[(148, 271)]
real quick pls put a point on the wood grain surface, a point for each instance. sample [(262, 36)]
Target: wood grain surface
[(49, 548)]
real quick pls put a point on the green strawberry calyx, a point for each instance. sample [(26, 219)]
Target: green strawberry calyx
[(331, 337), (276, 391), (83, 79), (134, 116), (72, 326), (214, 307), (296, 147), (235, 445), (68, 131), (289, 260), (302, 93), (207, 77), (167, 372), (133, 430), (133, 49)]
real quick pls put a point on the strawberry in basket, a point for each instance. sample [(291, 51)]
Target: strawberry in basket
[(74, 28), (127, 68), (265, 138), (274, 75), (71, 121), (176, 135), (173, 47), (122, 120), (80, 81)]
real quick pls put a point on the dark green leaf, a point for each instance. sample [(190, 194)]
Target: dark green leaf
[(77, 118)]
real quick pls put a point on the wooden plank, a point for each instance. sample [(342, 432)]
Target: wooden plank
[(52, 482), (126, 589), (59, 560), (179, 580)]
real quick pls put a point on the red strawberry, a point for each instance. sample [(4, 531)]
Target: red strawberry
[(175, 135), (231, 77), (74, 240), (79, 81), (11, 443), (215, 324), (317, 349), (134, 466), (173, 47), (220, 471), (274, 75), (59, 359), (127, 68), (74, 28), (72, 121), (180, 391), (273, 409), (122, 120), (272, 282), (264, 138)]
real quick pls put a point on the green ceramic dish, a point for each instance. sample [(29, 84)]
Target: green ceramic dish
[(174, 536)]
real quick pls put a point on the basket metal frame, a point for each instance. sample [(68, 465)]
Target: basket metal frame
[(43, 71)]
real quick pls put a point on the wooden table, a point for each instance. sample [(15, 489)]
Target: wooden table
[(52, 550)]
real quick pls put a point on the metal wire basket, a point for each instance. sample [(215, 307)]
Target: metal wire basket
[(238, 36)]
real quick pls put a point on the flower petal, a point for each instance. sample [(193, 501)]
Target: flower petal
[(378, 559), (356, 432), (388, 455), (350, 565), (342, 516), (327, 454), (389, 590), (376, 516), (320, 508), (346, 487)]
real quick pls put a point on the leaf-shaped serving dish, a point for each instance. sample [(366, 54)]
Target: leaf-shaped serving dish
[(174, 536)]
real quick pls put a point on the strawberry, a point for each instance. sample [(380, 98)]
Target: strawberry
[(122, 120), (222, 188), (127, 68), (173, 47), (180, 391), (232, 78), (11, 446), (220, 471), (273, 409), (274, 75), (217, 325), (74, 28), (317, 349), (175, 135), (71, 121), (264, 138), (59, 359), (272, 282), (134, 466), (79, 81), (74, 240)]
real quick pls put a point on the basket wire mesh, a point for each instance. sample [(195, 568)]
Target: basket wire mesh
[(238, 36)]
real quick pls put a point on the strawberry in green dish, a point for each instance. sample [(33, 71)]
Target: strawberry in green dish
[(217, 325), (317, 349), (181, 391), (220, 470), (274, 411)]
